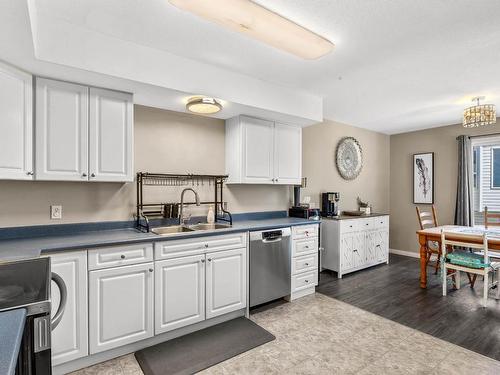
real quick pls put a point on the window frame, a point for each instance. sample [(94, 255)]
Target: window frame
[(492, 171)]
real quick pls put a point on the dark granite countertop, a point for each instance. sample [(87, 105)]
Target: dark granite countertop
[(11, 333), (348, 217), (29, 247)]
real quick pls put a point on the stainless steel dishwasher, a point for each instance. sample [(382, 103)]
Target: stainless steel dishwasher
[(270, 265)]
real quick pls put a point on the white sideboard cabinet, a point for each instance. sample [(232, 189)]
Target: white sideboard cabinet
[(353, 244)]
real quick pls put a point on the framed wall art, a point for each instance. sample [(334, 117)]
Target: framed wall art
[(423, 178)]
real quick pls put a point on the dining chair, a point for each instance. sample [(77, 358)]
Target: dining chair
[(472, 263), (491, 219), (429, 220)]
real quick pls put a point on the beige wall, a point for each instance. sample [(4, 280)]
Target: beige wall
[(165, 141), (372, 185), (441, 141)]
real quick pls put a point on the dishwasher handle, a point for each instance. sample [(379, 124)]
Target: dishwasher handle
[(272, 239)]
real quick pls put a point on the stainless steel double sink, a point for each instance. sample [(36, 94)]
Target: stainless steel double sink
[(177, 229)]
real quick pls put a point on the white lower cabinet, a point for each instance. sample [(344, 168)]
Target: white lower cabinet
[(191, 289), (70, 337), (226, 282), (304, 260), (120, 306), (118, 295), (354, 244), (179, 292)]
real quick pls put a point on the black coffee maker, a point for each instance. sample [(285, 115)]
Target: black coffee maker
[(330, 204)]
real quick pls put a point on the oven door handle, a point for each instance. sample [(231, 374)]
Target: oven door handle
[(62, 303)]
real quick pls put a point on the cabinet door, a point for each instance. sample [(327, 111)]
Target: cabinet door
[(370, 248), (120, 306), (16, 124), (258, 147), (287, 154), (179, 292), (70, 337), (381, 243), (111, 135), (359, 249), (61, 131), (226, 282), (346, 250)]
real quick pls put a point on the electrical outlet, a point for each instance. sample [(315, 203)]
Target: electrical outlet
[(56, 212)]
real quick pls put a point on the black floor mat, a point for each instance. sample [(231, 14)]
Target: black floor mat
[(199, 350)]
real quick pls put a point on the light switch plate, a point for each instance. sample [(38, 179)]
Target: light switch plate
[(56, 212)]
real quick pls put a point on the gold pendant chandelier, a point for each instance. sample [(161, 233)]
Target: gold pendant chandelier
[(479, 114)]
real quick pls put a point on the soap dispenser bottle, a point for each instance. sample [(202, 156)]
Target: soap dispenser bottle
[(210, 215)]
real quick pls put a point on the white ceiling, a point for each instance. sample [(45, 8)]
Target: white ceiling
[(397, 66)]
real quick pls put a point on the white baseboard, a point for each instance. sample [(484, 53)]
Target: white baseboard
[(411, 254), (405, 253)]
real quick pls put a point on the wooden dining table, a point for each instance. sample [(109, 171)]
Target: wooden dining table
[(454, 232)]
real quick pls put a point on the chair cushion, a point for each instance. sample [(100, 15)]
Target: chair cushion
[(467, 260)]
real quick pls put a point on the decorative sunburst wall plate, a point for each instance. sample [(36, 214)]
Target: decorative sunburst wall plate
[(349, 158)]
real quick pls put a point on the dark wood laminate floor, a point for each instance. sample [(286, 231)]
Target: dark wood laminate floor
[(393, 291)]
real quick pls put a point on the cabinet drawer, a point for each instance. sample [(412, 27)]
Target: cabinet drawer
[(194, 246), (120, 255), (352, 225), (304, 231), (304, 280), (381, 222), (304, 263), (305, 246)]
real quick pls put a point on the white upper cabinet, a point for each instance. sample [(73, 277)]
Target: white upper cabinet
[(257, 150), (287, 154), (82, 133), (61, 131), (263, 152), (16, 124), (111, 136)]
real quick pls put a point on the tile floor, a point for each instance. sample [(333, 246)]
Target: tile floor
[(321, 335)]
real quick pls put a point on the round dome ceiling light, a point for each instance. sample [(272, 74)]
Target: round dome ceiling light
[(203, 106)]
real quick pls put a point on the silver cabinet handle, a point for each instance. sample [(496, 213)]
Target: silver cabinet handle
[(306, 281), (202, 261), (276, 180), (206, 245), (92, 175), (122, 256), (84, 174), (209, 259), (30, 173), (151, 270), (307, 264)]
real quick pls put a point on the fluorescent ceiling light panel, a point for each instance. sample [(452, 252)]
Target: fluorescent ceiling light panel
[(260, 23)]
